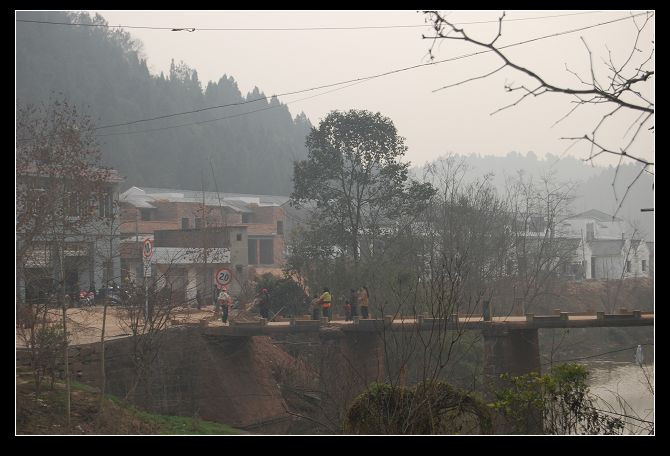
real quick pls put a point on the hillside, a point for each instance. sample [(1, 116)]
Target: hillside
[(46, 414), (102, 70)]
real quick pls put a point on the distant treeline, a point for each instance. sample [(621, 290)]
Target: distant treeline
[(594, 188), (103, 70)]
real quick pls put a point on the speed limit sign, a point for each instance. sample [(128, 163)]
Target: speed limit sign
[(223, 276), (148, 248)]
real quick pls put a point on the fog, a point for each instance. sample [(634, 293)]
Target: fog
[(457, 119)]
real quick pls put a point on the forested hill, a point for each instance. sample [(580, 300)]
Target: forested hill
[(102, 70)]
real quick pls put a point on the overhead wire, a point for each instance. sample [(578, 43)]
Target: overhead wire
[(290, 29), (355, 80)]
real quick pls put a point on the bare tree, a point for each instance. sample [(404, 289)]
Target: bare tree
[(59, 180), (623, 89)]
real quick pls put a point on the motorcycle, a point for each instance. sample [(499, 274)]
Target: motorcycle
[(86, 298)]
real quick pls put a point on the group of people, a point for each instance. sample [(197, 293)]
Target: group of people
[(356, 304), (224, 302)]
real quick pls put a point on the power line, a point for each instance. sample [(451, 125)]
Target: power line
[(356, 80), (361, 79), (120, 124), (290, 29), (228, 117)]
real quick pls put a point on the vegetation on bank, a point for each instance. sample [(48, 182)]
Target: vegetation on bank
[(45, 414)]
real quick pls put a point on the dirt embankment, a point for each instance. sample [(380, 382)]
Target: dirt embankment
[(247, 383), (600, 295), (44, 414)]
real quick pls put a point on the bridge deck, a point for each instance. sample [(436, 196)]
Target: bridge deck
[(565, 320)]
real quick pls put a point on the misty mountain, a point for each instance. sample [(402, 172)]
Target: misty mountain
[(102, 70), (594, 189)]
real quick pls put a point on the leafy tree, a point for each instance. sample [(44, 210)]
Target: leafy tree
[(555, 403), (354, 174), (286, 295), (436, 408), (105, 69)]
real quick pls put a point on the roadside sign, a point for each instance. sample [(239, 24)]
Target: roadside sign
[(223, 276), (148, 248), (147, 267)]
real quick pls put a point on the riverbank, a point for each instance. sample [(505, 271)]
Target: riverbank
[(45, 414)]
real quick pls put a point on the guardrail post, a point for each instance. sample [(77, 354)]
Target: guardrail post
[(264, 321), (529, 318), (637, 314), (600, 315), (557, 311), (486, 310), (419, 319), (564, 316), (357, 319)]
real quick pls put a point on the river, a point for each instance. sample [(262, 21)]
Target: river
[(624, 385)]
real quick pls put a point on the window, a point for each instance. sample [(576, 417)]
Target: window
[(72, 204), (266, 251), (145, 214), (280, 227), (246, 217), (537, 224), (627, 265), (185, 223), (239, 236), (644, 265), (105, 205), (590, 233), (253, 251), (593, 267), (198, 222)]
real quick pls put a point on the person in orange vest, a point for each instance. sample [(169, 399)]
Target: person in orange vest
[(326, 301), (363, 298)]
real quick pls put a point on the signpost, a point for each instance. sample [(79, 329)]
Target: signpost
[(223, 276), (147, 253)]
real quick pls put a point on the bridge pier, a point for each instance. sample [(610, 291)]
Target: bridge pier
[(349, 363), (515, 352), (511, 351)]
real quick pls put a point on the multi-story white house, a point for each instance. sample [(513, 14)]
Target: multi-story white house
[(607, 250)]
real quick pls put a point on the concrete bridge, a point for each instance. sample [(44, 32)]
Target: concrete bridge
[(225, 374), (510, 343)]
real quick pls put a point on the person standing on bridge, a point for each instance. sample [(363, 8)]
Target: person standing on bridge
[(264, 304), (353, 300), (224, 301), (347, 310), (326, 301), (363, 300), (316, 307)]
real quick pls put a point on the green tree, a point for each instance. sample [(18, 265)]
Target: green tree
[(354, 174), (555, 403)]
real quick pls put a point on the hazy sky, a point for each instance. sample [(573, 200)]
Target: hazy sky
[(452, 120)]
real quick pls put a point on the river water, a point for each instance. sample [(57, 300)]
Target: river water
[(625, 387)]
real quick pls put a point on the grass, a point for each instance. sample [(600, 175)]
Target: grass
[(46, 414)]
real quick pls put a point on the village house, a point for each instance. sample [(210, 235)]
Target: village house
[(90, 252), (196, 233)]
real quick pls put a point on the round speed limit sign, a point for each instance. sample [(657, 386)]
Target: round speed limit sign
[(148, 248), (223, 276)]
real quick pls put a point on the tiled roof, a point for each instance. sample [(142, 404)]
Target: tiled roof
[(597, 215)]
